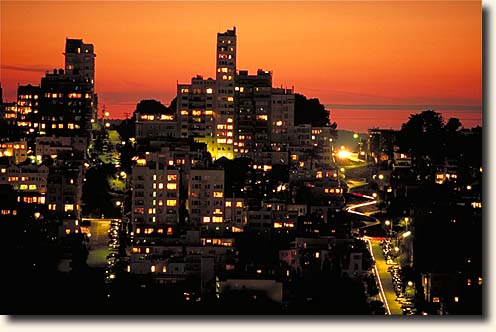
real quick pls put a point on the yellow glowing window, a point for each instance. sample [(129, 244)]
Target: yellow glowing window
[(210, 90), (228, 203), (23, 187), (166, 117), (230, 99), (206, 219), (151, 210), (221, 140), (147, 250), (68, 207), (184, 112), (229, 120), (208, 112), (218, 194), (4, 170), (277, 225), (262, 117), (279, 123), (171, 186), (229, 141), (169, 230), (230, 127), (164, 269), (160, 186), (217, 219), (135, 250), (319, 175), (152, 268), (171, 202), (184, 90), (32, 187), (196, 113), (239, 204), (171, 177)]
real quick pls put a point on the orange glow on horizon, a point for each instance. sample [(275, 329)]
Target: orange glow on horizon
[(393, 52)]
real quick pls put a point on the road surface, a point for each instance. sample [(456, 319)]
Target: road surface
[(99, 238), (385, 277)]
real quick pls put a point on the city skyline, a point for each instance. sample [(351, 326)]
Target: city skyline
[(446, 75)]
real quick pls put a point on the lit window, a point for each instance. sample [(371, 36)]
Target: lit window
[(230, 99), (160, 185), (171, 177), (206, 219), (228, 203), (262, 117), (171, 186), (152, 268), (23, 187), (239, 204), (164, 269), (218, 194), (210, 90), (184, 112), (68, 207), (217, 219), (171, 202), (32, 187)]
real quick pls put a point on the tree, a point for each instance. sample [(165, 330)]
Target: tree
[(310, 111), (423, 136)]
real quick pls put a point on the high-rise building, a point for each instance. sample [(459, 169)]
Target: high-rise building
[(66, 105), (281, 115), (155, 192), (195, 107), (80, 62), (252, 116), (28, 101), (225, 78), (80, 59)]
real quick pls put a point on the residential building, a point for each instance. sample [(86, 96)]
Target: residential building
[(16, 150), (195, 108), (225, 78), (155, 191), (66, 105), (206, 196), (252, 103)]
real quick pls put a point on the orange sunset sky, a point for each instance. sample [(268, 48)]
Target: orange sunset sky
[(372, 63)]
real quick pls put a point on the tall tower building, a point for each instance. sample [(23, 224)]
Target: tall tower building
[(225, 76), (80, 59)]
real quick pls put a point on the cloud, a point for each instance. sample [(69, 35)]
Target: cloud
[(37, 69), (416, 107)]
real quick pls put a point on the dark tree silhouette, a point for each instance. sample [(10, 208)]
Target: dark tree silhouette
[(310, 111)]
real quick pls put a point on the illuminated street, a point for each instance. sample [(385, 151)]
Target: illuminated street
[(385, 277), (98, 242)]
